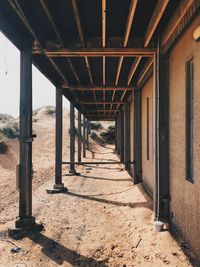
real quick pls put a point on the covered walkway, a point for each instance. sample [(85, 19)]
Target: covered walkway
[(104, 219)]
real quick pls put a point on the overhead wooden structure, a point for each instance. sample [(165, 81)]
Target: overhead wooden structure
[(99, 51)]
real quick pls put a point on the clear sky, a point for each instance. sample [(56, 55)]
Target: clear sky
[(43, 90)]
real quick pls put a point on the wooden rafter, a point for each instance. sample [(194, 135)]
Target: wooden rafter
[(175, 20), (146, 68), (58, 35), (100, 102), (97, 52), (96, 88), (169, 30), (81, 36), (131, 15), (104, 45), (155, 19)]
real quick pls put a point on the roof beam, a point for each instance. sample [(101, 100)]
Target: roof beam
[(100, 103), (175, 20), (96, 88), (97, 52), (131, 15), (58, 35), (81, 36), (155, 19), (143, 73), (127, 33)]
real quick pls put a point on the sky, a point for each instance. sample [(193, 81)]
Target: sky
[(43, 90)]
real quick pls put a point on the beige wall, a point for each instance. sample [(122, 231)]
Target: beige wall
[(185, 196), (132, 136), (147, 165)]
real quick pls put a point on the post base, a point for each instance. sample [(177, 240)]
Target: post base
[(72, 171), (57, 188), (22, 227)]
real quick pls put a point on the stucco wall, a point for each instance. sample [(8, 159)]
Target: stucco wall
[(147, 165), (131, 136), (185, 196)]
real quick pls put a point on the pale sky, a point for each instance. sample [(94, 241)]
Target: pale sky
[(43, 90)]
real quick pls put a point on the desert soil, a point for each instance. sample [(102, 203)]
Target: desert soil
[(104, 219)]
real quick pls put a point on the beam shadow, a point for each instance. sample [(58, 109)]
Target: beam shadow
[(60, 254), (101, 153), (106, 179), (111, 202), (105, 168)]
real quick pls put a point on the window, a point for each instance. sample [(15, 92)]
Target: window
[(189, 119), (147, 105)]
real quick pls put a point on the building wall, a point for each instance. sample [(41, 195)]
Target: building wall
[(147, 165), (132, 136), (185, 196)]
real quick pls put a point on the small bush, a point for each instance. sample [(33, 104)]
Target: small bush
[(96, 125), (10, 129), (93, 135), (50, 110), (109, 135), (3, 148)]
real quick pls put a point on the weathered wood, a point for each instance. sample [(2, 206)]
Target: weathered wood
[(58, 131), (122, 134), (72, 138), (175, 20), (155, 19), (137, 137), (79, 136), (25, 159), (126, 135), (161, 124), (126, 35), (84, 137), (96, 88), (97, 52), (100, 103)]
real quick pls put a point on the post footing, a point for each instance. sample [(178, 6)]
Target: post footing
[(57, 188), (23, 227), (72, 171)]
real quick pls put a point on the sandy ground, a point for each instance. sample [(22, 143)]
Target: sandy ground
[(104, 220)]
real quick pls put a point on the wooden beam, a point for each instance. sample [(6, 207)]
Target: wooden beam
[(97, 52), (96, 88), (146, 68), (127, 34), (126, 38), (175, 20), (83, 43), (100, 103), (155, 19), (58, 35)]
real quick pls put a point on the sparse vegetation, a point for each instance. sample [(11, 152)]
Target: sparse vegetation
[(109, 135), (3, 148), (50, 110), (96, 125), (9, 129)]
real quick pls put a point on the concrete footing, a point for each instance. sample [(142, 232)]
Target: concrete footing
[(57, 188), (23, 227)]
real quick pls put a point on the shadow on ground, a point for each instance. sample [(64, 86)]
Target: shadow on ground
[(60, 254)]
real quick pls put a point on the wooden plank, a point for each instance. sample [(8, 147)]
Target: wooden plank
[(96, 88), (100, 103), (127, 34), (155, 19), (97, 52), (175, 20), (146, 68)]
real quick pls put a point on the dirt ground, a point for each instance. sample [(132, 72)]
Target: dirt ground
[(103, 220)]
